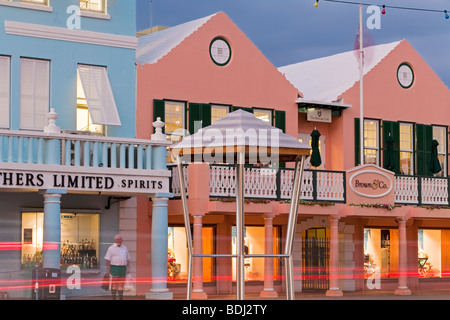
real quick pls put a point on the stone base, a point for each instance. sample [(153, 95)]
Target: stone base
[(199, 295), (159, 295), (402, 292), (334, 293), (268, 294)]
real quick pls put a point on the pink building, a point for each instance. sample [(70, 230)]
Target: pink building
[(354, 221)]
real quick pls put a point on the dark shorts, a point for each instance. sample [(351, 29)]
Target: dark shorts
[(118, 271)]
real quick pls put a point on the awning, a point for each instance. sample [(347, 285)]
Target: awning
[(336, 107)]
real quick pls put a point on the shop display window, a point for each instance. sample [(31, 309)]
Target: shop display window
[(380, 252), (177, 255), (79, 239), (254, 240), (433, 257)]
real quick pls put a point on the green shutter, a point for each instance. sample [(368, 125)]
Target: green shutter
[(357, 143), (234, 108), (280, 120), (424, 137), (159, 111), (199, 112), (391, 128)]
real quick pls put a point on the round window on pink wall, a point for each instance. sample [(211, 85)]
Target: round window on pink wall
[(220, 51)]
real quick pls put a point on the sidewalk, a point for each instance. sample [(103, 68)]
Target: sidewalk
[(357, 295)]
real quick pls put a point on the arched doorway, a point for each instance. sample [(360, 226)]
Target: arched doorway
[(315, 259)]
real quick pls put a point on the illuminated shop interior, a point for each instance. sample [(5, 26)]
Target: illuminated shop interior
[(79, 239)]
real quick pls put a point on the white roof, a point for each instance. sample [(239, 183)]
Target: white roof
[(154, 46), (326, 79)]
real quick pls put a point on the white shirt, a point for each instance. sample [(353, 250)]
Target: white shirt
[(118, 256)]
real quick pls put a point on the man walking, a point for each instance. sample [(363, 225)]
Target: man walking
[(117, 261)]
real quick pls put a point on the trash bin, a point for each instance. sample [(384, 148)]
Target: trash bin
[(46, 284)]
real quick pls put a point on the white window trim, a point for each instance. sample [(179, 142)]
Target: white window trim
[(95, 15), (27, 5), (23, 126), (8, 75), (109, 112), (183, 108)]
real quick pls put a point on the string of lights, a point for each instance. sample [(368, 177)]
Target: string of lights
[(446, 15)]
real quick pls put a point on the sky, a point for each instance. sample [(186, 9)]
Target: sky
[(291, 31)]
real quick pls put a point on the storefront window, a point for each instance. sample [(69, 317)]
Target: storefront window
[(433, 256), (79, 239), (380, 252), (254, 239), (32, 239), (177, 255)]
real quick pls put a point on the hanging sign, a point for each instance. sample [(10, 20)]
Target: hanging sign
[(319, 115)]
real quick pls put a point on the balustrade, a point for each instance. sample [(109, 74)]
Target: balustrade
[(76, 150), (317, 185)]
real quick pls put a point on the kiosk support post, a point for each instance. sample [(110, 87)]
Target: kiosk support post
[(187, 225), (290, 233)]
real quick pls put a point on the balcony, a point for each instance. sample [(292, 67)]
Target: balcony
[(81, 163), (317, 185)]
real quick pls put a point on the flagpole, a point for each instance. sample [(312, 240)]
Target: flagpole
[(361, 98)]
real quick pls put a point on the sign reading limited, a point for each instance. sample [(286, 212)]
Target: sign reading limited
[(83, 182)]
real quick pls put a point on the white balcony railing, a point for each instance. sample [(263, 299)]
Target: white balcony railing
[(317, 185), (76, 150), (269, 183)]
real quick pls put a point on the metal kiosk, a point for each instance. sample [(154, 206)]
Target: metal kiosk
[(241, 138)]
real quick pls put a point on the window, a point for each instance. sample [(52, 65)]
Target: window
[(5, 83), (265, 115), (371, 141), (34, 93), (84, 120), (406, 149), (79, 239), (177, 256), (99, 96), (45, 2), (174, 120), (433, 257), (254, 244), (380, 252), (440, 134), (218, 112), (93, 5)]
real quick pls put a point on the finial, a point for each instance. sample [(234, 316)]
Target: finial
[(158, 135)]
